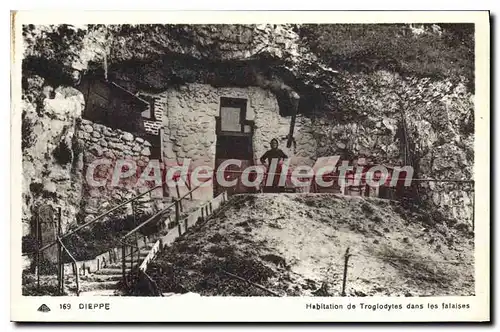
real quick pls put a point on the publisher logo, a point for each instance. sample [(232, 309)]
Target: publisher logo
[(43, 308)]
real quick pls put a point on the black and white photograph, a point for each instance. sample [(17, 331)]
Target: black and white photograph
[(230, 160)]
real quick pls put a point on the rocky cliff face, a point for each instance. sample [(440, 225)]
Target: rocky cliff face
[(52, 160), (397, 120), (388, 117)]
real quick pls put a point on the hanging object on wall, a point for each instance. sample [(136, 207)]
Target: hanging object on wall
[(295, 106)]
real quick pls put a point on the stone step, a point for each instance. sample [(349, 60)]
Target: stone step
[(111, 270), (118, 266), (144, 250), (149, 245), (134, 259), (134, 263), (181, 294), (141, 257), (96, 277), (95, 285), (98, 292)]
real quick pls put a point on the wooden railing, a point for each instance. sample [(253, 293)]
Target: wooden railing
[(59, 241), (61, 269), (131, 242), (99, 217)]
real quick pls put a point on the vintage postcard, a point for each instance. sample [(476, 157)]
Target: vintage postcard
[(250, 166)]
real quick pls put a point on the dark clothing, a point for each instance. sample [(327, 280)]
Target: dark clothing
[(272, 154), (269, 156)]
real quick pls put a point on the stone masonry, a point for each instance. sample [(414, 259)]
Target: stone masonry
[(99, 141), (189, 124)]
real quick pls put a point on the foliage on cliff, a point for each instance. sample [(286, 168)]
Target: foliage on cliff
[(444, 51)]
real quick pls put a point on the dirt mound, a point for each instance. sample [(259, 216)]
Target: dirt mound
[(295, 244)]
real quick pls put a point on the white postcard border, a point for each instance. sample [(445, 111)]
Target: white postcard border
[(193, 308)]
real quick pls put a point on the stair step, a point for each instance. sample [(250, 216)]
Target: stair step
[(142, 253), (111, 270), (98, 292), (134, 260), (100, 277), (118, 266), (95, 285), (114, 266)]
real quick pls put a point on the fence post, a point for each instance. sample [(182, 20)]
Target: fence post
[(59, 250), (473, 206), (346, 261), (133, 213), (164, 187), (188, 184), (123, 265), (131, 259), (178, 216), (59, 264), (77, 280), (138, 248), (37, 265), (178, 192), (60, 280)]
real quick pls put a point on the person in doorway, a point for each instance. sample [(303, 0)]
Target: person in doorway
[(273, 153), (267, 158)]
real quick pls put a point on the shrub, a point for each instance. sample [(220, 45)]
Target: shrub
[(448, 53)]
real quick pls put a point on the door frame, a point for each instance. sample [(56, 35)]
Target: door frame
[(234, 102)]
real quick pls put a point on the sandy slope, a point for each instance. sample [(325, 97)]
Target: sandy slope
[(295, 245)]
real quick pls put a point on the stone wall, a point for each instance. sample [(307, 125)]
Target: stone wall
[(101, 142), (190, 126)]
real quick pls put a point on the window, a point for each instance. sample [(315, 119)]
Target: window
[(149, 112), (232, 119)]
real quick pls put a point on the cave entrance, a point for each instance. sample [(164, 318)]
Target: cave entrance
[(111, 105), (234, 141)]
